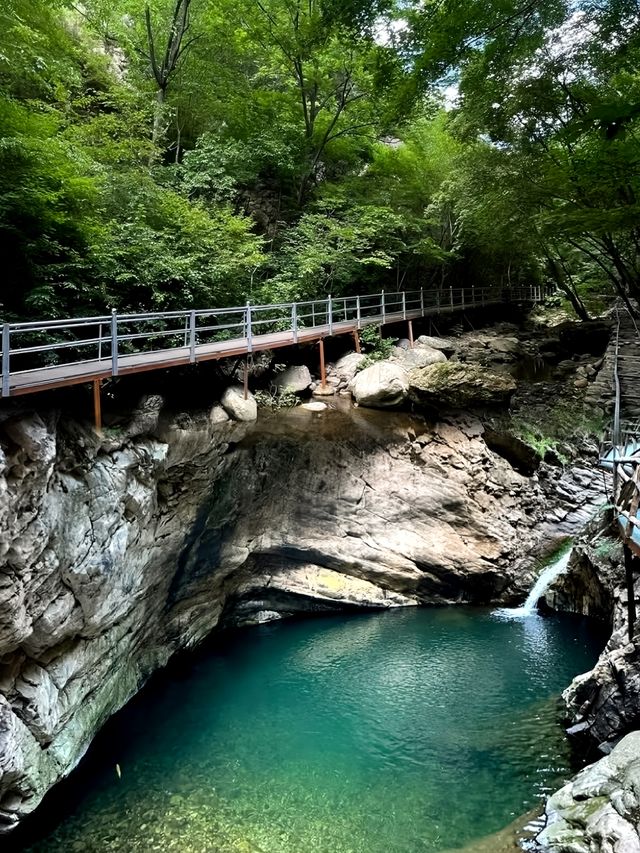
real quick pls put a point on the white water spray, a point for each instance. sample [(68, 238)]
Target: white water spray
[(553, 571)]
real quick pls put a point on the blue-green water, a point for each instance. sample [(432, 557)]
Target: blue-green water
[(406, 731)]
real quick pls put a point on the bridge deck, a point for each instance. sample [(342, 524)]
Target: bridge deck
[(54, 354)]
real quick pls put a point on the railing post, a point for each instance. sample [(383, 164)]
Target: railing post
[(422, 301), (462, 297), (192, 336), (330, 314), (382, 306), (294, 321), (6, 354), (473, 295), (358, 311), (248, 327), (451, 294), (114, 343), (404, 305)]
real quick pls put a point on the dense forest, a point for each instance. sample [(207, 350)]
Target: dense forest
[(189, 153)]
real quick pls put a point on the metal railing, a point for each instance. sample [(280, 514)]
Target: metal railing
[(621, 455), (105, 342)]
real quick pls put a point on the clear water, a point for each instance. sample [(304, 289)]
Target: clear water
[(406, 731)]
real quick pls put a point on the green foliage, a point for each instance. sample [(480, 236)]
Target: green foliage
[(376, 347), (276, 398), (562, 427), (292, 151)]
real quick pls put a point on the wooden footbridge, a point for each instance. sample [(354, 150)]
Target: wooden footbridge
[(621, 452), (40, 356)]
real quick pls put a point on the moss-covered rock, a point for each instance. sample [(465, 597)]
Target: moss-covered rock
[(457, 386)]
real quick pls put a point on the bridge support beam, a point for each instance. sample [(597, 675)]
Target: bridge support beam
[(97, 405), (629, 565), (356, 341), (323, 370), (410, 331)]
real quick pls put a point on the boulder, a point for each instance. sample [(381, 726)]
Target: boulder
[(383, 385), (314, 406), (217, 415), (347, 366), (295, 378), (237, 407), (458, 386), (443, 344), (327, 390), (598, 810), (417, 357)]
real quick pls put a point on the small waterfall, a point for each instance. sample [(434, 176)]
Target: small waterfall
[(545, 579)]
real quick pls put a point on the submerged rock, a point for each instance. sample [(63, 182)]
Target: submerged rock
[(383, 385)]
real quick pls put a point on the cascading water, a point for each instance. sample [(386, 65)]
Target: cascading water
[(546, 578)]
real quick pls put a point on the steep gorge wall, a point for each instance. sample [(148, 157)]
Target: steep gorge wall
[(120, 550)]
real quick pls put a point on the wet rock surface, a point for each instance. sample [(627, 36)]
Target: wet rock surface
[(599, 810)]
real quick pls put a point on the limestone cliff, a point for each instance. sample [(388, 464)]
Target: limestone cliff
[(119, 550)]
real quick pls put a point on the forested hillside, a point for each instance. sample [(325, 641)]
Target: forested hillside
[(187, 153)]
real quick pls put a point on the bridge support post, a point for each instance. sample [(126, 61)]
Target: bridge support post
[(629, 561), (6, 348), (323, 371), (192, 336), (97, 405), (410, 330), (247, 323), (356, 341), (114, 343)]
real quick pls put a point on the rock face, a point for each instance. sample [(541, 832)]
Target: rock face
[(458, 386), (599, 810), (381, 386), (120, 550), (235, 405)]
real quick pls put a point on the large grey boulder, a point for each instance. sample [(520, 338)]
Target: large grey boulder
[(296, 378), (347, 366), (381, 386), (237, 407), (417, 357), (599, 810), (444, 344), (457, 386)]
